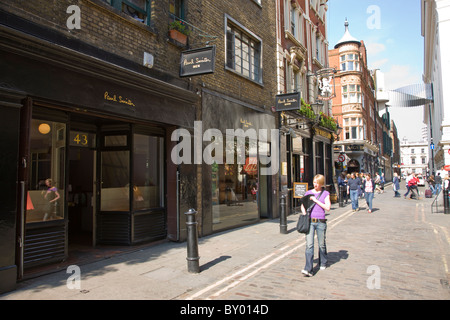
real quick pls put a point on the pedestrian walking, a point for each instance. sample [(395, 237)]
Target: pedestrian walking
[(368, 187), (360, 189), (382, 182), (438, 183), (409, 177), (353, 185), (412, 184), (377, 183), (342, 183), (432, 184), (318, 224), (396, 183)]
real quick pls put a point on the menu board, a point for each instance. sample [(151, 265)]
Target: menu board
[(300, 189)]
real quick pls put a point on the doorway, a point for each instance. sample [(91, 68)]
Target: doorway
[(80, 203)]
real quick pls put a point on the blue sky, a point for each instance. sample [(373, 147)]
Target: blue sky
[(391, 31)]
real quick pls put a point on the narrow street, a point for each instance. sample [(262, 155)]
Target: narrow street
[(399, 251)]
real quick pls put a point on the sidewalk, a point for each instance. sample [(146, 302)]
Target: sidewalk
[(231, 259)]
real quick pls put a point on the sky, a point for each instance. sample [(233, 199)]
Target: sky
[(391, 31)]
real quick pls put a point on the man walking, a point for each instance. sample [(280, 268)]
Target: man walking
[(353, 185)]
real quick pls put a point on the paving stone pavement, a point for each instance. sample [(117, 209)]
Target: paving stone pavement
[(401, 251)]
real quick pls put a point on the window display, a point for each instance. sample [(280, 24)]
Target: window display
[(45, 199)]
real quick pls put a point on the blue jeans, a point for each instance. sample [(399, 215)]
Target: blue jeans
[(354, 199), (321, 229), (438, 188), (369, 198)]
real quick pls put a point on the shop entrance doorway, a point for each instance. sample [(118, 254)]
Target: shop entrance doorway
[(80, 202)]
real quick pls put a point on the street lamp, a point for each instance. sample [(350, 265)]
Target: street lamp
[(317, 108), (338, 130)]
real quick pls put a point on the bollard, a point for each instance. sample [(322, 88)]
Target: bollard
[(283, 220), (445, 193), (341, 196), (192, 242)]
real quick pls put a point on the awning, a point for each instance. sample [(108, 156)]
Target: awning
[(414, 95)]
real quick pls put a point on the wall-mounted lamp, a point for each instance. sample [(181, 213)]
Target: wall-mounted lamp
[(44, 128)]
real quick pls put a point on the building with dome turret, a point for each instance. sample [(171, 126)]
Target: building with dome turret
[(364, 141)]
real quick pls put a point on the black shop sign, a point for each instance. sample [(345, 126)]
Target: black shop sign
[(288, 101), (197, 61)]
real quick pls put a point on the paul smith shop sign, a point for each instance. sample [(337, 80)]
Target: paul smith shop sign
[(197, 61), (288, 101)]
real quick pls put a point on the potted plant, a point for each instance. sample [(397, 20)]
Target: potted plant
[(178, 31), (306, 110), (328, 122)]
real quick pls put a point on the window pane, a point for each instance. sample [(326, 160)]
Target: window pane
[(45, 199), (115, 141), (247, 54), (148, 172), (350, 66), (235, 187), (354, 133), (115, 177)]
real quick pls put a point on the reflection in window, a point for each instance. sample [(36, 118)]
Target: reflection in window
[(45, 198), (243, 53), (235, 187), (137, 9), (148, 172), (115, 171)]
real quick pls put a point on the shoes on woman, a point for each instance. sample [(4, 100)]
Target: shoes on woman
[(306, 273)]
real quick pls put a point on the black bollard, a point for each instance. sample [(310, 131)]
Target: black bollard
[(341, 196), (283, 219), (445, 193), (192, 242)]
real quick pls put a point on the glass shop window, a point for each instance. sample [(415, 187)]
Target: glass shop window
[(45, 198), (148, 172), (235, 186)]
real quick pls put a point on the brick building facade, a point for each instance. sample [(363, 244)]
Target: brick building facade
[(94, 106), (365, 140)]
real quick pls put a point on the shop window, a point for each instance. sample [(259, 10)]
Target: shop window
[(45, 199), (235, 186), (137, 9), (243, 52), (115, 168), (148, 172)]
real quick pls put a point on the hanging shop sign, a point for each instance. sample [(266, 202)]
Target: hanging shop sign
[(288, 101), (325, 79), (197, 61)]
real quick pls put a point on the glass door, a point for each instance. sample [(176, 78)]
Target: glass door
[(113, 187)]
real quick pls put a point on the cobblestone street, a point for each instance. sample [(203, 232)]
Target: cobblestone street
[(399, 251)]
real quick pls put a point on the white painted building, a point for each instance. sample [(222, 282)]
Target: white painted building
[(414, 157), (436, 31)]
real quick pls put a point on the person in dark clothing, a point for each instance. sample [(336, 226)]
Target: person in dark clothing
[(353, 185), (342, 183)]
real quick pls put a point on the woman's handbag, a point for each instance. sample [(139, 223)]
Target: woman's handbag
[(304, 221)]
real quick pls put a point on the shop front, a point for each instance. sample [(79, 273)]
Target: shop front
[(240, 187), (90, 142)]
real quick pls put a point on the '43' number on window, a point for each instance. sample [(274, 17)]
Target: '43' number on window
[(81, 139)]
